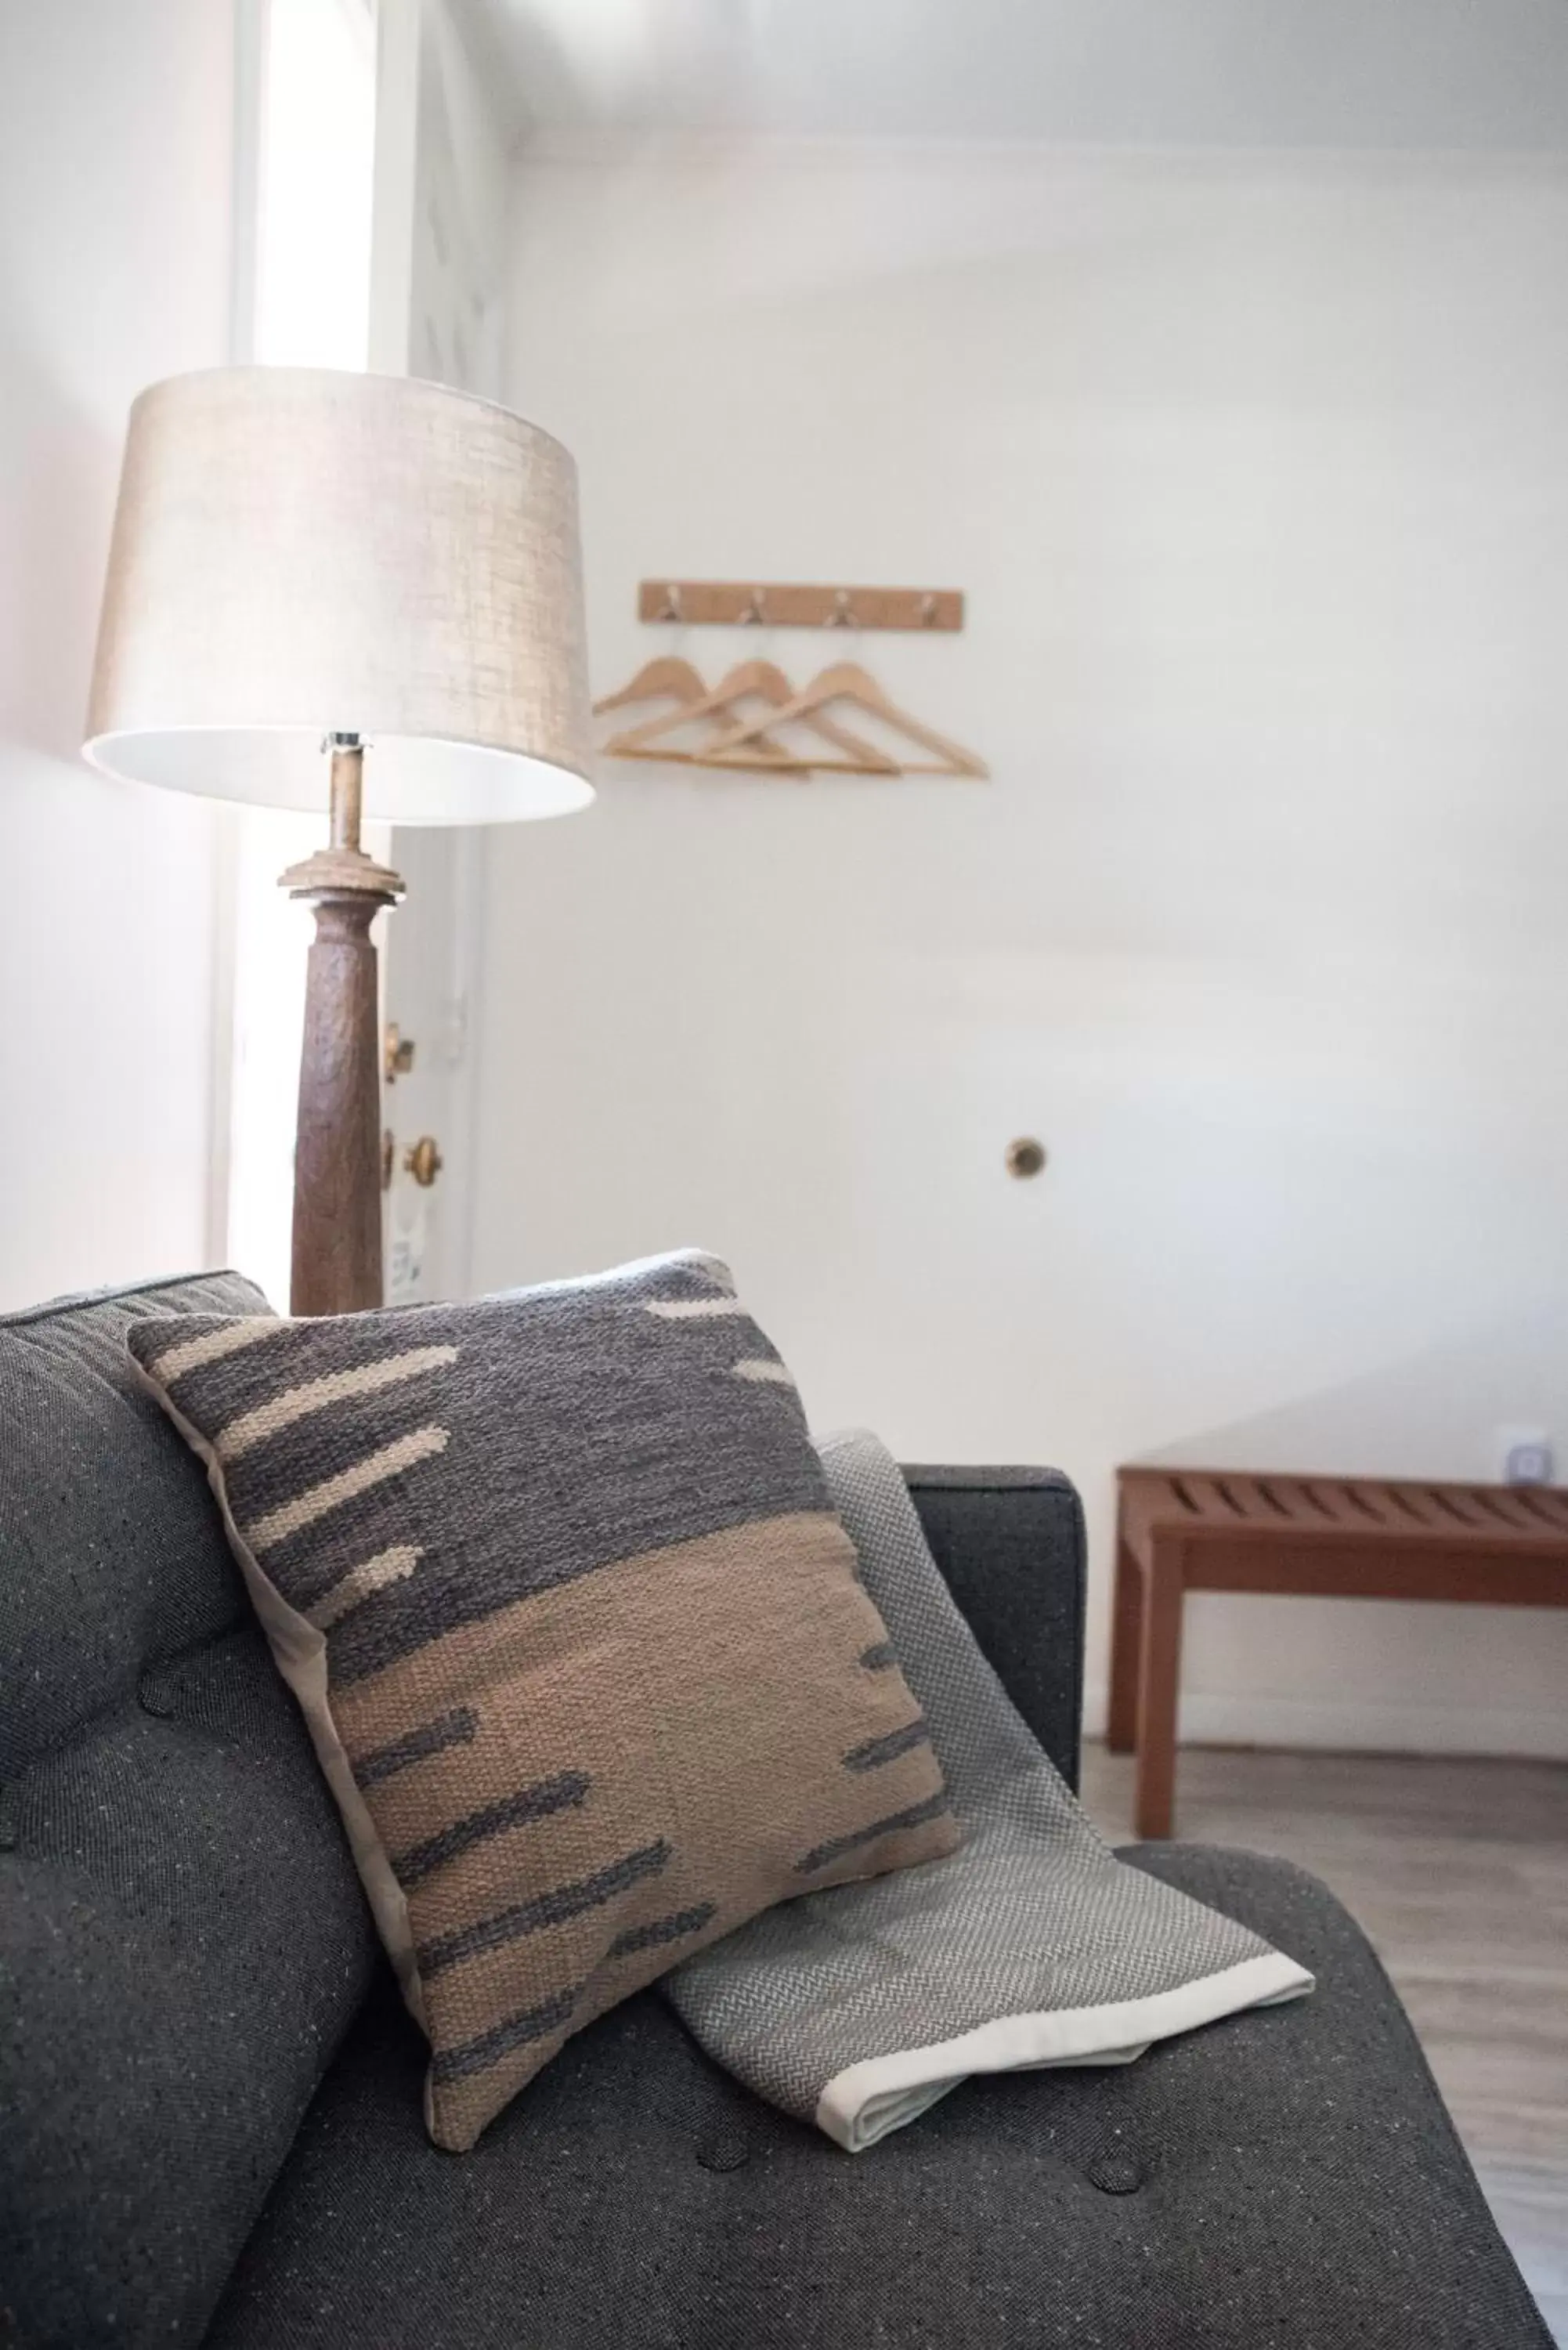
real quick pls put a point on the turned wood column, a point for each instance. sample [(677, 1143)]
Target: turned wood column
[(337, 1263)]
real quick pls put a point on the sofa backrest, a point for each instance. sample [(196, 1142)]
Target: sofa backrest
[(183, 1936)]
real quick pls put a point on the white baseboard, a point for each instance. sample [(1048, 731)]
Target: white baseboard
[(1359, 1729)]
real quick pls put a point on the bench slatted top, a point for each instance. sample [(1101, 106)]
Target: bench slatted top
[(1373, 1538)]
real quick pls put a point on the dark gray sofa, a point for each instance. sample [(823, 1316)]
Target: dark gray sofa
[(210, 2123)]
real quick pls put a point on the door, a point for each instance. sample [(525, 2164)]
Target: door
[(435, 312)]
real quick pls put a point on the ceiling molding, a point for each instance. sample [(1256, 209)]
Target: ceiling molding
[(604, 148)]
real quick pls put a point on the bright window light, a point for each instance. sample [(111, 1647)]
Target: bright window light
[(316, 165), (316, 132)]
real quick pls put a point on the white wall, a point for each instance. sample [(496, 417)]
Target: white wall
[(1256, 474), (115, 125)]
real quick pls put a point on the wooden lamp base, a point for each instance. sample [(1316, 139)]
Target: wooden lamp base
[(336, 1259)]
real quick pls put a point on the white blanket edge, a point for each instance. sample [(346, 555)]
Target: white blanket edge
[(867, 2100)]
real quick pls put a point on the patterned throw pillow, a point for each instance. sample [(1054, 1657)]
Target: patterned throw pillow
[(557, 1582)]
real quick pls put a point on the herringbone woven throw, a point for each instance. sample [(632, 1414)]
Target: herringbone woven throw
[(1031, 1945), (579, 1637)]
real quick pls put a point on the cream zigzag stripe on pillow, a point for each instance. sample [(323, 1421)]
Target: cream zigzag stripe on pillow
[(252, 1427), (363, 1582), (214, 1345), (763, 1370), (317, 1500)]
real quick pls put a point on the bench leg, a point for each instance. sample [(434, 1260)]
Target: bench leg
[(1160, 1676), (1126, 1636)]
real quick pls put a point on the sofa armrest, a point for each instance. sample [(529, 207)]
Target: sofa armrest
[(1010, 1544)]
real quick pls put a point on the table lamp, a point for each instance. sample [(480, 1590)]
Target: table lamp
[(353, 592)]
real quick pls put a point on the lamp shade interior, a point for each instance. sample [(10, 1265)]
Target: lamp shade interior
[(408, 779)]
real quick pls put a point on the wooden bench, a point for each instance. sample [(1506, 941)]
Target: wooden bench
[(1181, 1530)]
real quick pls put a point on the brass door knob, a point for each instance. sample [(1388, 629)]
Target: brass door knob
[(423, 1162), (397, 1054)]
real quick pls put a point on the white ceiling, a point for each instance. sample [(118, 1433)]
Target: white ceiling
[(1481, 74)]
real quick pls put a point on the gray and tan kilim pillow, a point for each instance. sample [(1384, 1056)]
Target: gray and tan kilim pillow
[(557, 1582)]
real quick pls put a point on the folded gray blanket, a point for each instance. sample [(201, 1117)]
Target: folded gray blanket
[(1030, 1945)]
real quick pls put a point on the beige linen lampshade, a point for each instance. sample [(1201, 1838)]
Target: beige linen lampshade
[(299, 553)]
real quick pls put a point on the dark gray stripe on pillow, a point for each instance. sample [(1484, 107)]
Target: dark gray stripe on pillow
[(730, 1452), (454, 1728), (663, 1929), (914, 1816), (536, 1802), (879, 1658), (550, 1908), (479, 2055), (888, 1749)]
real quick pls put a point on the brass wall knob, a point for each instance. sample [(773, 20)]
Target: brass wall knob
[(1024, 1158), (423, 1162)]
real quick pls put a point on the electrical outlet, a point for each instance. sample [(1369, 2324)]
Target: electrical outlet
[(1523, 1456)]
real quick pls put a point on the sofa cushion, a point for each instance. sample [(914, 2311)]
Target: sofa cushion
[(1285, 2180), (558, 1582), (183, 1937)]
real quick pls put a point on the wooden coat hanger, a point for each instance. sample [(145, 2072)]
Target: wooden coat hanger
[(755, 746), (645, 741), (656, 680), (847, 682)]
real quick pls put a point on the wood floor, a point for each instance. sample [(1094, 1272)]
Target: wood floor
[(1458, 1872)]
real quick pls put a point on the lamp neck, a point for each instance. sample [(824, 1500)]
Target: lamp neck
[(348, 789), (344, 868)]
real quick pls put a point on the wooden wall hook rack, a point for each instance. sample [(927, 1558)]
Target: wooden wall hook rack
[(725, 603)]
